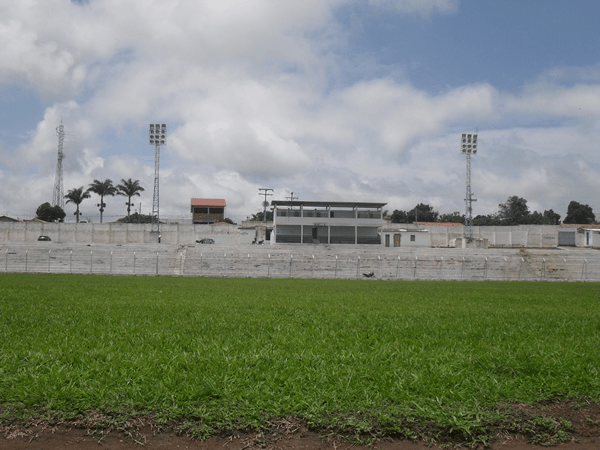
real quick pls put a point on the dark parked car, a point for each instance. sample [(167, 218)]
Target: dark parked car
[(44, 238), (205, 241)]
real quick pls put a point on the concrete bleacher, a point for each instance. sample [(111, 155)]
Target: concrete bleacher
[(229, 259)]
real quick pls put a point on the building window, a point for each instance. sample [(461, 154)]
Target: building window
[(412, 238)]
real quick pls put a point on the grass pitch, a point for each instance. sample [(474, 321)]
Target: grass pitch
[(362, 358)]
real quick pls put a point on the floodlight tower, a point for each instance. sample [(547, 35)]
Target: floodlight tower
[(158, 137), (58, 198), (468, 148)]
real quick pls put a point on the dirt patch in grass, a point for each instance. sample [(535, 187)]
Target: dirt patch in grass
[(563, 425)]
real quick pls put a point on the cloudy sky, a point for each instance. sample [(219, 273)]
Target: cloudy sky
[(354, 100)]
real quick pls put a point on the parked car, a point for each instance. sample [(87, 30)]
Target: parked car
[(44, 238), (205, 241)]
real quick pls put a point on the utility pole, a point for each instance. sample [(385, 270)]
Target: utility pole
[(291, 197), (266, 192)]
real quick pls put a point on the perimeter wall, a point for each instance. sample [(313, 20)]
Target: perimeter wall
[(541, 236)]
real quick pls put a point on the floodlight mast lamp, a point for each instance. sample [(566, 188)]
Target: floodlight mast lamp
[(468, 148), (157, 137)]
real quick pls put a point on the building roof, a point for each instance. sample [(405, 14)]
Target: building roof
[(208, 202), (326, 204)]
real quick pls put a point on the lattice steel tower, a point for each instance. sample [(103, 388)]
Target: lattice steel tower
[(469, 147), (58, 197), (158, 137)]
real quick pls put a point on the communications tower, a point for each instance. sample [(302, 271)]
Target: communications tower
[(58, 198), (158, 137)]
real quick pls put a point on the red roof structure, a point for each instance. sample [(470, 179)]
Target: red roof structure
[(209, 202)]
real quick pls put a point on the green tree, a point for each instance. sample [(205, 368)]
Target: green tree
[(259, 216), (129, 188), (514, 211), (103, 189), (422, 213), (455, 217), (578, 213), (50, 213), (136, 218), (489, 220), (76, 196), (551, 218), (399, 216)]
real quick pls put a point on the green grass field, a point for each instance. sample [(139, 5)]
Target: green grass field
[(360, 358)]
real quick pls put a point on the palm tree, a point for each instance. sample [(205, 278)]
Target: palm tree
[(76, 196), (129, 188), (102, 188)]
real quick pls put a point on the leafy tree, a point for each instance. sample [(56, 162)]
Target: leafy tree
[(136, 218), (50, 213), (399, 216), (229, 221), (578, 213), (489, 220), (455, 217), (422, 213), (259, 216), (76, 196), (103, 189), (514, 211), (551, 218), (129, 188)]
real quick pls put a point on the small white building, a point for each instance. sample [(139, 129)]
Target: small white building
[(592, 237), (405, 238)]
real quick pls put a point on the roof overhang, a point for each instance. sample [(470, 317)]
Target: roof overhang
[(318, 204), (208, 202)]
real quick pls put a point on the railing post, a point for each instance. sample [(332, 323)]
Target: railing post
[(269, 267), (584, 270), (291, 264), (49, 253), (506, 269), (521, 269), (200, 263), (134, 263), (248, 266), (71, 262), (224, 264), (462, 269), (415, 271), (111, 259), (485, 270), (26, 252), (91, 261), (336, 264), (156, 263), (565, 269), (6, 262), (442, 268), (379, 267), (358, 267), (312, 267), (543, 274), (397, 267)]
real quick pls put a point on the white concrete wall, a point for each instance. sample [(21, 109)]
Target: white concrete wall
[(117, 233)]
